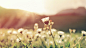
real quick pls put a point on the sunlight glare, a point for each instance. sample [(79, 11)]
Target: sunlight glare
[(28, 5)]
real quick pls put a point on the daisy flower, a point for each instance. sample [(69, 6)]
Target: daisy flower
[(45, 20), (83, 33)]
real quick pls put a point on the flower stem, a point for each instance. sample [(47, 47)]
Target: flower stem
[(79, 45), (52, 35), (59, 46), (78, 41)]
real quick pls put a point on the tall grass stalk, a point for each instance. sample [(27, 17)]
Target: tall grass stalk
[(79, 44), (52, 35), (78, 41), (59, 46)]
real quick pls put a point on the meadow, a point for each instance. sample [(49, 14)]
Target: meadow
[(46, 37)]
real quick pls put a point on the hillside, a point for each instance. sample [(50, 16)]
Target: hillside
[(65, 19)]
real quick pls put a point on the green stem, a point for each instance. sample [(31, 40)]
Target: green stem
[(59, 46), (79, 45)]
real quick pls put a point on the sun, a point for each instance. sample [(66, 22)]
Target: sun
[(28, 5)]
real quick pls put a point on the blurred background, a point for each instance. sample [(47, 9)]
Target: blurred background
[(23, 14)]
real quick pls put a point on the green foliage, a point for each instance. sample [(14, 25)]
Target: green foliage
[(77, 45), (51, 46), (56, 46), (34, 46), (83, 43), (15, 45), (67, 44), (61, 46)]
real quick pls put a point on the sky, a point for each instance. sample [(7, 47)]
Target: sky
[(48, 7)]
